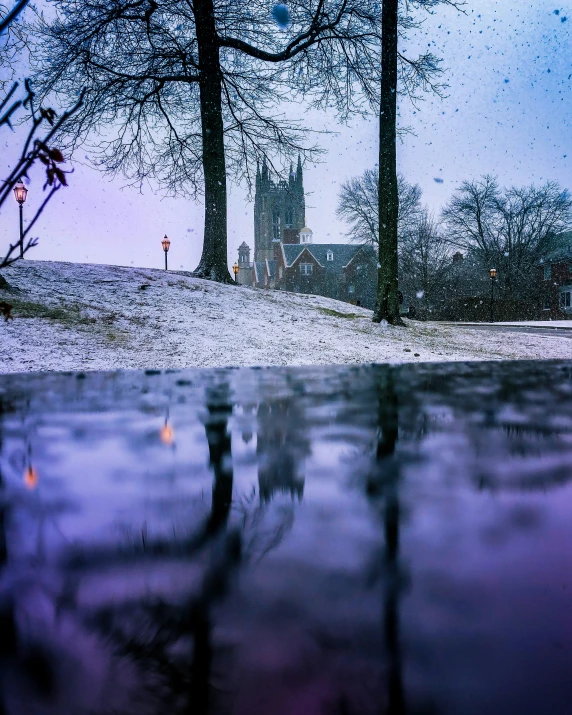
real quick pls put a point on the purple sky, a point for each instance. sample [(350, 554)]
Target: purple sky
[(507, 113)]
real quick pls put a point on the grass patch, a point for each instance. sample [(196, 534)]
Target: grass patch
[(65, 316), (337, 314), (118, 337), (29, 309)]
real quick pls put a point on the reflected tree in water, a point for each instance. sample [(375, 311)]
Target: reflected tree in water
[(157, 610), (383, 491), (166, 638), (3, 499), (220, 456)]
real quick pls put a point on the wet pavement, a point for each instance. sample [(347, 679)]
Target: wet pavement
[(530, 330), (290, 541)]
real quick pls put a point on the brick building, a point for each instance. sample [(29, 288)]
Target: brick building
[(279, 210), (555, 276), (285, 257)]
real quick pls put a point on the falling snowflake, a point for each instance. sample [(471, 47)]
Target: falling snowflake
[(282, 15)]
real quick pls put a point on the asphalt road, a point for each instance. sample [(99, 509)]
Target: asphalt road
[(546, 331)]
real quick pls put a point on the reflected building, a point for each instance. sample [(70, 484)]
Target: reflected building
[(282, 446)]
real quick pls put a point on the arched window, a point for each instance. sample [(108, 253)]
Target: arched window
[(276, 224), (289, 217)]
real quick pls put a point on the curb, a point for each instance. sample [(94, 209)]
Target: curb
[(511, 325)]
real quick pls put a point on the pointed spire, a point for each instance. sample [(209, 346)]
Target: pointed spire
[(299, 175), (264, 169)]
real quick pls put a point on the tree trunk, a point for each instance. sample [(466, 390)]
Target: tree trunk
[(387, 299), (213, 263)]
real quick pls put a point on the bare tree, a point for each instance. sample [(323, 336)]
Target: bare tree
[(358, 205), (35, 148), (184, 91), (42, 125), (420, 73), (424, 260), (508, 229), (12, 40), (387, 298)]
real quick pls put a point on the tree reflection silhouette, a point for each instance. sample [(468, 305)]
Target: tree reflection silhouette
[(216, 581), (3, 500), (220, 456), (383, 492), (161, 605), (145, 630), (169, 638)]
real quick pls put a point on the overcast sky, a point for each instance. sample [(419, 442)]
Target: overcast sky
[(508, 112)]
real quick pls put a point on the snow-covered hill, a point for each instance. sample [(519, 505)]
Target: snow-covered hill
[(87, 317)]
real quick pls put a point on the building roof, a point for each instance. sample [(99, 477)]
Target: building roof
[(271, 266), (244, 245), (560, 248), (259, 271), (342, 253)]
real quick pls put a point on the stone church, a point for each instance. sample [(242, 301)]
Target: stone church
[(285, 257)]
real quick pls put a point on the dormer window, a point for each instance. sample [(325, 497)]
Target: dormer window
[(329, 256)]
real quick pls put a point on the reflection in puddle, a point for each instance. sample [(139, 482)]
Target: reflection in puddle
[(341, 540)]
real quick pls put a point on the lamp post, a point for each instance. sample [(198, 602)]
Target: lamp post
[(167, 433), (235, 270), (20, 192), (166, 245), (493, 275)]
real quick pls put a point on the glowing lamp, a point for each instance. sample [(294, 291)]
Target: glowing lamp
[(30, 478), (167, 434), (20, 192)]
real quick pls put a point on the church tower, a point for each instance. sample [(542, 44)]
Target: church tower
[(279, 210)]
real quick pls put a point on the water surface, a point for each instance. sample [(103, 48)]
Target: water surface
[(298, 541)]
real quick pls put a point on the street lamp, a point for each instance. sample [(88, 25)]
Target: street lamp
[(166, 245), (493, 275), (235, 269), (30, 478), (20, 192), (167, 433)]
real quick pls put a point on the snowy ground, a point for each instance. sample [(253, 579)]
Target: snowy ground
[(91, 317)]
